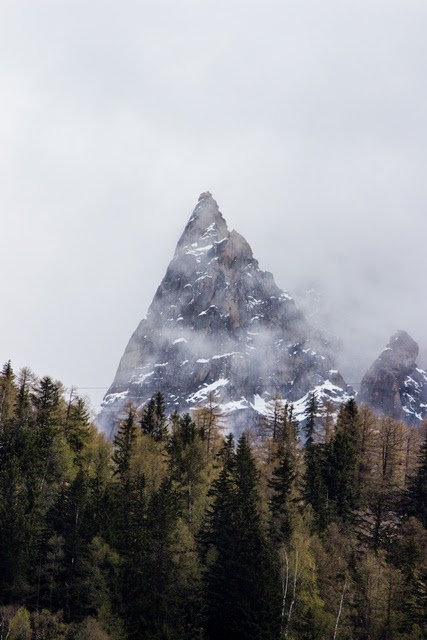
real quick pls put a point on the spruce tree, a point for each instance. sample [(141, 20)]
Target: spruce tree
[(153, 420), (344, 462), (239, 606), (186, 460), (314, 489), (14, 531), (310, 417), (124, 444), (77, 426), (68, 523), (149, 574), (282, 501)]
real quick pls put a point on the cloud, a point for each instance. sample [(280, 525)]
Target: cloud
[(306, 120)]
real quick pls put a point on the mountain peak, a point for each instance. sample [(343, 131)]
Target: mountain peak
[(205, 226), (401, 351), (219, 327), (206, 209), (394, 385), (206, 195)]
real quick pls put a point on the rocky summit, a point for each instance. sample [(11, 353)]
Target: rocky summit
[(219, 327), (395, 385)]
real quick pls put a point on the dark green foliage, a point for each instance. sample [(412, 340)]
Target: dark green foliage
[(310, 415), (316, 468), (416, 499), (282, 501), (153, 420), (148, 571), (186, 461), (124, 443), (71, 535), (343, 489), (156, 536), (77, 426), (237, 604), (13, 529), (285, 480), (315, 483)]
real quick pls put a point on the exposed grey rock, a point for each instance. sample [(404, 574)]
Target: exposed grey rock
[(394, 385), (219, 325)]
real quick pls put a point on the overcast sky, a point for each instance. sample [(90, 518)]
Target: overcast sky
[(306, 119)]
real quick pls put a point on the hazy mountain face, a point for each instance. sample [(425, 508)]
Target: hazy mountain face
[(220, 327)]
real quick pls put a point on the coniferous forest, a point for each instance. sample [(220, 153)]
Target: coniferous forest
[(175, 530)]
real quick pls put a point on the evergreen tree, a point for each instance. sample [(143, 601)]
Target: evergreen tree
[(344, 462), (314, 487), (7, 393), (148, 573), (47, 402), (23, 398), (124, 499), (77, 425), (285, 479), (310, 416), (282, 501), (186, 461), (67, 520), (153, 419), (44, 452), (416, 501), (124, 445), (14, 533), (237, 605)]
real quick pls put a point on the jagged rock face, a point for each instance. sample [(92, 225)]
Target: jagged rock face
[(394, 385), (219, 325)]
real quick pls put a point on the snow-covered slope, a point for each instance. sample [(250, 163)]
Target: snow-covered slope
[(219, 325)]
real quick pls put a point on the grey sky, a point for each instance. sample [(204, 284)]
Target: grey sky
[(307, 121)]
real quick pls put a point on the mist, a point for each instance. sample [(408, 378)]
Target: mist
[(306, 120)]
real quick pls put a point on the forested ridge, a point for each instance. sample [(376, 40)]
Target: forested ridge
[(177, 531)]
